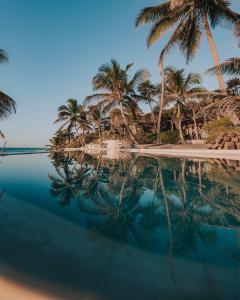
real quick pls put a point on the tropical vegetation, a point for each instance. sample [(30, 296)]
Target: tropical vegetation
[(128, 106)]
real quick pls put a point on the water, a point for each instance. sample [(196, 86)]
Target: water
[(133, 228), (14, 151)]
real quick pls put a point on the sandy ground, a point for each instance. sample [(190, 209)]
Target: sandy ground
[(10, 290)]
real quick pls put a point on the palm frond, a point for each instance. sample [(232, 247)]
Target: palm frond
[(7, 106), (229, 67)]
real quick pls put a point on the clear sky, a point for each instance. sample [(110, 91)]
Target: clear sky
[(56, 46)]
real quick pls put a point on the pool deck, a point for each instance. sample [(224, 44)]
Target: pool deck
[(189, 151)]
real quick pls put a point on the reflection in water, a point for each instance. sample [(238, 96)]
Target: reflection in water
[(130, 200), (165, 225), (185, 196)]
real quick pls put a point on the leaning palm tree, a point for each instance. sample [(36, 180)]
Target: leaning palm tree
[(181, 88), (115, 89), (189, 18)]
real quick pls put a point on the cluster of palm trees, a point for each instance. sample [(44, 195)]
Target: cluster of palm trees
[(117, 95), (189, 20)]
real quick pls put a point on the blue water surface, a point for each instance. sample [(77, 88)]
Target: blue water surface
[(13, 151), (129, 228)]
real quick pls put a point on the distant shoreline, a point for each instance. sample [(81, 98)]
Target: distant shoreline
[(20, 151)]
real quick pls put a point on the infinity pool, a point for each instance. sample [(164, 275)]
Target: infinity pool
[(87, 227)]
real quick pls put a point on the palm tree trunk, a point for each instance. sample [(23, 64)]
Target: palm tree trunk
[(152, 114), (180, 124), (99, 133), (161, 100), (83, 137), (125, 182), (127, 126), (167, 213), (195, 124), (213, 50)]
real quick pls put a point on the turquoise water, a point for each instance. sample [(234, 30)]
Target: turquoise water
[(132, 228), (12, 151)]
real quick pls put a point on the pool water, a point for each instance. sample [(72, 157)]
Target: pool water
[(89, 227)]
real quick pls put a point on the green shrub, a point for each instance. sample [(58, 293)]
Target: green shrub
[(170, 137), (149, 138), (167, 137), (214, 128)]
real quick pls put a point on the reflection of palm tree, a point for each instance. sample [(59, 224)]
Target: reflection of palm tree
[(67, 185), (186, 209), (113, 212)]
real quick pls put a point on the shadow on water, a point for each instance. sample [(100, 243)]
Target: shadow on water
[(151, 228)]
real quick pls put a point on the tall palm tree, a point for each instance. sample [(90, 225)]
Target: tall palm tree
[(189, 18), (147, 92), (179, 89), (116, 89)]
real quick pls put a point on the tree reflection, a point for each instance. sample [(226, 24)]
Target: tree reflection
[(66, 185), (132, 200)]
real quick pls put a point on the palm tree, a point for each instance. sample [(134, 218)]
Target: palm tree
[(229, 103), (180, 88), (230, 67), (67, 184), (189, 19), (147, 92), (115, 89), (60, 137), (73, 116), (95, 115), (194, 106), (7, 104)]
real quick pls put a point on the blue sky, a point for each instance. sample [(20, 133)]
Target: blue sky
[(56, 46)]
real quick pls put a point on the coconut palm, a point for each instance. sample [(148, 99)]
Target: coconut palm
[(7, 104), (230, 67), (67, 184), (189, 18), (194, 106), (95, 116), (181, 88), (72, 115), (116, 89), (147, 92), (60, 137), (69, 114), (229, 102)]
